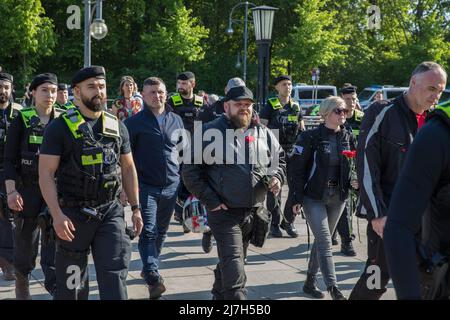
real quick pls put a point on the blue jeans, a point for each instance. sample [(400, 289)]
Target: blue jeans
[(322, 217), (157, 208)]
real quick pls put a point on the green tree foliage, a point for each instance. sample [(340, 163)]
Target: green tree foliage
[(27, 36), (175, 43), (164, 37), (314, 41)]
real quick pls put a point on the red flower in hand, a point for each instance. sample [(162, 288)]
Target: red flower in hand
[(349, 154), (249, 139)]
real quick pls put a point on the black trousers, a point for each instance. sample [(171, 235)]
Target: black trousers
[(230, 228), (26, 238), (111, 250), (275, 207), (372, 283), (343, 226), (6, 231)]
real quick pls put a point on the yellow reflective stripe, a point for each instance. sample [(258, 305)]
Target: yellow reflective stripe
[(177, 101), (355, 132), (89, 160), (26, 116), (293, 118), (275, 103), (73, 120), (110, 125), (444, 107), (198, 101), (296, 107), (358, 115), (35, 139)]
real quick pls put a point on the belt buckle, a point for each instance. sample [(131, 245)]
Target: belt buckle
[(332, 183)]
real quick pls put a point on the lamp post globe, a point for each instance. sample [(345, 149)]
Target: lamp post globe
[(98, 29)]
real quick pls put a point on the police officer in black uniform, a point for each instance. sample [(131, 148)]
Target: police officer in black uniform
[(8, 111), (424, 182), (62, 98), (88, 151), (283, 114), (188, 106), (22, 183), (353, 123)]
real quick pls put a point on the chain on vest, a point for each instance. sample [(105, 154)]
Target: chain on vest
[(8, 114), (93, 173), (287, 120)]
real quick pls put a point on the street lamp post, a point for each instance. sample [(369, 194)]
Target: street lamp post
[(230, 31), (97, 29), (263, 22)]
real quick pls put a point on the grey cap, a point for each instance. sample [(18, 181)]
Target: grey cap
[(234, 82)]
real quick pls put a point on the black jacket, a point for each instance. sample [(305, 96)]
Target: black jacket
[(424, 182), (387, 130), (310, 162), (237, 176)]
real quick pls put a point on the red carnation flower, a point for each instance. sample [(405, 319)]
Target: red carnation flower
[(349, 154)]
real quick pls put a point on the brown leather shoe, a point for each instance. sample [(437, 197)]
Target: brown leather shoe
[(8, 269), (22, 287)]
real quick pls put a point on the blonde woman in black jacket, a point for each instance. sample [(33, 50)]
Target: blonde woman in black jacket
[(321, 170)]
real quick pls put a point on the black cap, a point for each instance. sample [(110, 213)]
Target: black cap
[(281, 78), (63, 86), (348, 89), (239, 93), (187, 75), (43, 78), (88, 72), (6, 77)]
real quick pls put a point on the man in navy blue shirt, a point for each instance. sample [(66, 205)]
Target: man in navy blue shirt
[(154, 135)]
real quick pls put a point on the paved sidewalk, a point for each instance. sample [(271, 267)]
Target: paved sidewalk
[(276, 271)]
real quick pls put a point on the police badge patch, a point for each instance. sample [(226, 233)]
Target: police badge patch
[(298, 149)]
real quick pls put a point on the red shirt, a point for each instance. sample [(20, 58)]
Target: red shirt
[(421, 119)]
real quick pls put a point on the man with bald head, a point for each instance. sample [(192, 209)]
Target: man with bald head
[(387, 131)]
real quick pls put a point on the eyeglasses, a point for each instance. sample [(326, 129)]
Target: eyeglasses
[(340, 111)]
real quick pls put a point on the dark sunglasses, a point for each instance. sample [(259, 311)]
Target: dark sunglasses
[(340, 111)]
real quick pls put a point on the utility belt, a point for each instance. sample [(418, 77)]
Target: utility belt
[(92, 209), (434, 275), (82, 203)]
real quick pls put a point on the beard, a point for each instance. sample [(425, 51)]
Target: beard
[(241, 120), (3, 98), (91, 105), (183, 92)]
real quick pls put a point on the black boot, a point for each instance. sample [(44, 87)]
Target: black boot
[(347, 249), (289, 228), (310, 287), (207, 244), (275, 231), (335, 293)]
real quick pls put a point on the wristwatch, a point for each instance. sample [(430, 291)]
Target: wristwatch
[(135, 207)]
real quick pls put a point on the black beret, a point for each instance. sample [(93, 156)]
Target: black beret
[(281, 78), (88, 72), (43, 78), (348, 89), (63, 86), (187, 75), (239, 93), (6, 76)]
